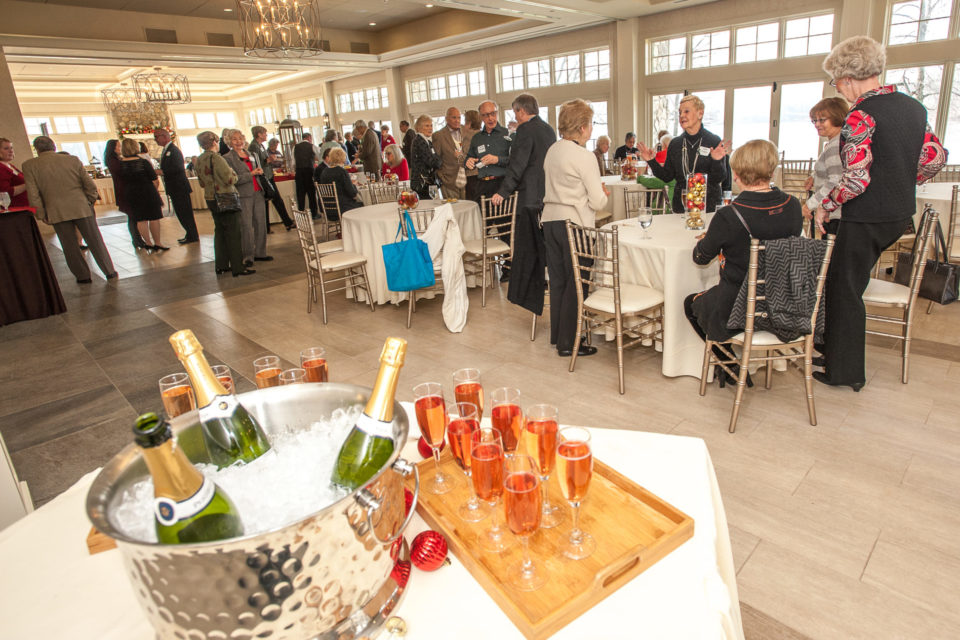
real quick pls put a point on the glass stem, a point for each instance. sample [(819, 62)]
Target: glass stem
[(495, 525), (575, 533), (473, 503), (527, 563), (436, 458), (543, 493)]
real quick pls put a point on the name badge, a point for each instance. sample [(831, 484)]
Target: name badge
[(482, 148), (704, 151)]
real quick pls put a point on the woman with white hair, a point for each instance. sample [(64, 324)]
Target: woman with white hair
[(600, 151), (424, 160), (886, 147), (394, 163), (253, 219)]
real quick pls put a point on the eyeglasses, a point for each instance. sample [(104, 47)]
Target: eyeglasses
[(816, 121), (833, 83), (488, 114)]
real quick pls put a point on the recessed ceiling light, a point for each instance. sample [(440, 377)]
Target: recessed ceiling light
[(428, 6), (228, 10), (373, 24)]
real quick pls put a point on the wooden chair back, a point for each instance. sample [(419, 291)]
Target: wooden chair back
[(498, 220), (602, 247)]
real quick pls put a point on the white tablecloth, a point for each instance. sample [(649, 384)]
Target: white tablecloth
[(665, 263), (109, 196), (52, 589), (616, 203), (367, 229)]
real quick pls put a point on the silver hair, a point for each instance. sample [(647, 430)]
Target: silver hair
[(859, 57), (207, 139)]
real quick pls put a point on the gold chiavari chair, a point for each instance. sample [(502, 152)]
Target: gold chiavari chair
[(421, 219), (383, 192), (949, 173), (495, 245), (595, 255), (656, 199), (769, 345), (902, 299), (793, 176), (323, 269), (329, 204)]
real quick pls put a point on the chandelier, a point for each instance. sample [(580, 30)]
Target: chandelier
[(280, 28), (119, 96), (162, 86)]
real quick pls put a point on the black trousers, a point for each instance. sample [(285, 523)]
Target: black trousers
[(278, 204), (485, 189), (692, 318), (473, 183), (227, 250), (305, 187), (857, 248), (183, 207), (564, 322)]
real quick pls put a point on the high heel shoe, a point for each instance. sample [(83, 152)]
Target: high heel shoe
[(159, 247), (724, 378)]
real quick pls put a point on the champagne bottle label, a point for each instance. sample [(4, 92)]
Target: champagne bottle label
[(170, 512), (375, 427)]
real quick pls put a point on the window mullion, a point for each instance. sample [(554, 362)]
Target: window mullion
[(946, 87)]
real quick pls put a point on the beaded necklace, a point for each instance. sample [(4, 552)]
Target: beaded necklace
[(684, 160)]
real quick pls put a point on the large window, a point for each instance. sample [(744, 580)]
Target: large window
[(758, 42), (599, 123), (751, 114), (596, 65), (94, 124), (566, 69), (226, 119), (448, 86), (668, 55), (343, 103), (190, 147), (808, 36), (710, 49), (511, 77), (438, 88), (538, 73), (373, 98), (68, 124), (478, 83), (34, 126), (457, 83), (184, 121), (664, 113), (359, 104), (206, 121), (923, 83), (798, 139), (919, 21), (75, 149), (714, 103)]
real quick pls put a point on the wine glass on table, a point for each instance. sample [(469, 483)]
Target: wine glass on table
[(467, 388), (574, 471), (521, 504), (432, 418), (177, 394), (314, 361), (434, 191), (645, 219), (506, 416), (539, 440), (267, 371), (4, 200), (462, 420), (486, 468)]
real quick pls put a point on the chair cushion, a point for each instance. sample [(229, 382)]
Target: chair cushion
[(762, 339), (329, 247), (633, 298), (882, 291), (495, 246), (341, 260)]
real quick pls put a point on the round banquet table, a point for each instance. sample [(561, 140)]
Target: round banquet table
[(367, 229), (53, 589), (616, 203), (665, 263)]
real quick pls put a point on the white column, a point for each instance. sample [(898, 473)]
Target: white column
[(11, 119), (628, 103), (398, 99)]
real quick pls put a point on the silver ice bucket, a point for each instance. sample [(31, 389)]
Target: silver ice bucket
[(326, 576)]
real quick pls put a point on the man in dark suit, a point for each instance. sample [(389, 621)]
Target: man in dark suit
[(176, 184), (407, 141), (525, 176), (305, 159)]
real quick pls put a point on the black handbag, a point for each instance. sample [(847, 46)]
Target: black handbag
[(940, 278), (226, 202)]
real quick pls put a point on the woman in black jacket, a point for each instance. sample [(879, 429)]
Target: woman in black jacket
[(695, 151), (336, 175), (765, 213), (424, 161)]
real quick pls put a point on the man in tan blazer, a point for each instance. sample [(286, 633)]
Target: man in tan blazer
[(63, 194), (451, 145), (369, 151)]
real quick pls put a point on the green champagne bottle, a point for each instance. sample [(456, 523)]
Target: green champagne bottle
[(229, 431), (370, 443), (188, 506)]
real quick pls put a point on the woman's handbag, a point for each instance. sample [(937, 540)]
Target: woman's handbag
[(940, 278), (228, 202), (407, 262)]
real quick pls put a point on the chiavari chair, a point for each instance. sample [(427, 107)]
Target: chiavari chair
[(495, 245), (383, 192), (329, 208), (656, 199), (949, 173)]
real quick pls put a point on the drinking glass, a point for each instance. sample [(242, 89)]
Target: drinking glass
[(462, 420), (540, 442), (4, 200), (574, 470), (645, 219), (521, 503), (177, 394), (467, 388), (434, 191), (506, 416), (486, 465), (225, 377), (267, 370), (293, 376), (314, 360), (432, 418)]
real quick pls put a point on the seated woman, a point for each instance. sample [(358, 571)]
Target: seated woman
[(758, 212), (336, 175), (395, 163)]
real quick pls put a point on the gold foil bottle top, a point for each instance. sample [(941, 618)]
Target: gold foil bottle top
[(185, 343), (394, 351)]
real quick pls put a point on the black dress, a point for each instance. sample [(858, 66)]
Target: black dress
[(346, 191), (675, 167), (137, 177), (423, 166), (769, 215)]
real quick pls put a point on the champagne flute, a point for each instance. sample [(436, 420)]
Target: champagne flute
[(177, 394), (521, 503), (267, 370), (540, 442), (467, 388), (486, 464), (462, 421), (223, 374), (432, 419), (574, 470), (314, 360), (645, 219), (293, 376), (506, 416)]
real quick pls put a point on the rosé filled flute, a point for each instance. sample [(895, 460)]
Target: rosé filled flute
[(523, 509), (431, 413), (539, 441), (314, 362), (487, 458), (467, 388), (462, 421), (574, 471), (506, 416), (267, 371), (297, 375), (225, 377), (177, 394)]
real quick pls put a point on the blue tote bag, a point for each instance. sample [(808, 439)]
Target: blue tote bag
[(408, 262)]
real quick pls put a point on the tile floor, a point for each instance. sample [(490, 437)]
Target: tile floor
[(844, 530)]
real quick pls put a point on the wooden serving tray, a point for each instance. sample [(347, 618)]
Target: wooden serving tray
[(633, 529)]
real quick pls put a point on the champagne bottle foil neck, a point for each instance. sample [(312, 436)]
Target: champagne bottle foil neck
[(185, 343), (394, 350)]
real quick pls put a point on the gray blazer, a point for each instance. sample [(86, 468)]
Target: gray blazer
[(244, 177), (257, 149), (59, 188)]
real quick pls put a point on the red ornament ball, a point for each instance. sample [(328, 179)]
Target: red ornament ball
[(401, 573), (425, 449), (407, 501), (429, 551)]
